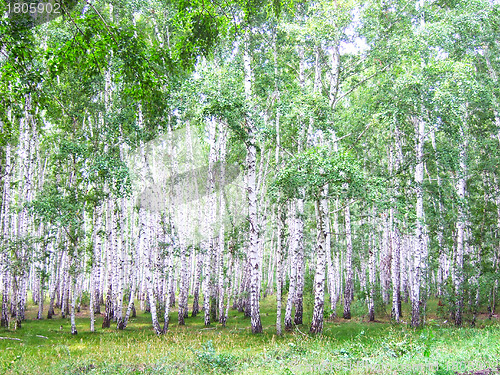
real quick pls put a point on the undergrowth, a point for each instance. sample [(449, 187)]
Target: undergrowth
[(345, 347)]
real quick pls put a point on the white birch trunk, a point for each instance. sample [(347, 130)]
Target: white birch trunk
[(371, 276), (496, 112), (208, 293), (334, 269), (349, 280), (149, 275), (92, 302), (279, 266), (395, 268), (319, 277), (223, 276), (197, 282), (253, 250), (461, 222), (6, 232), (121, 262), (73, 305), (395, 159), (385, 260), (299, 251), (170, 279), (418, 265), (292, 259)]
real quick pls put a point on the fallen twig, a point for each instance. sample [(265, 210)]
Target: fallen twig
[(10, 338), (297, 328)]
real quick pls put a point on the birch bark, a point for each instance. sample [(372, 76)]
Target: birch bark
[(461, 222), (319, 277), (371, 270), (169, 243), (253, 250), (95, 307), (120, 260), (385, 259), (418, 266), (223, 276), (281, 242), (208, 293), (6, 232), (147, 249), (349, 279), (292, 259), (334, 268), (73, 304), (496, 111), (395, 158)]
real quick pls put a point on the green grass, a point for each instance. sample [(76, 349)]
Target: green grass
[(345, 347)]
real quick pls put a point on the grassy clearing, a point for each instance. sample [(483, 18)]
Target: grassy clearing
[(353, 347)]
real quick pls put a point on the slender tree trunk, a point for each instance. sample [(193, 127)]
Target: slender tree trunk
[(173, 241), (236, 283), (223, 276), (253, 250), (385, 259), (395, 158), (395, 269), (73, 305), (229, 286), (419, 250), (243, 287), (182, 310), (6, 231), (253, 245), (92, 271), (170, 271), (270, 269), (110, 258), (238, 280), (221, 280), (197, 282), (330, 274), (57, 277), (64, 286), (208, 269), (371, 271), (18, 304), (319, 278), (92, 300), (145, 242), (335, 273), (152, 303), (459, 257), (299, 233), (41, 297), (279, 266), (120, 261), (496, 112), (130, 306), (5, 300), (292, 258), (349, 280)]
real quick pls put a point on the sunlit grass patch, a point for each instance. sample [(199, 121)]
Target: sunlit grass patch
[(345, 347)]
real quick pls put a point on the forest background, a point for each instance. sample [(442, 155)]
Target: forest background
[(295, 163)]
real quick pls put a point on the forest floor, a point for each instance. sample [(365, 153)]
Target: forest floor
[(345, 347)]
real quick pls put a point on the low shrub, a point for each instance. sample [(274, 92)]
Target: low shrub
[(209, 360)]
